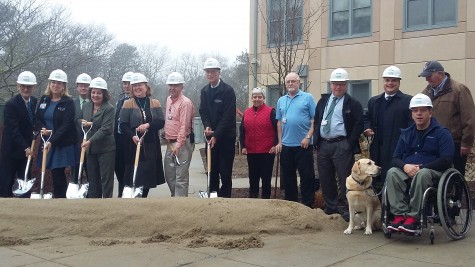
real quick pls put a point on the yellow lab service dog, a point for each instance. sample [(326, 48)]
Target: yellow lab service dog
[(364, 205)]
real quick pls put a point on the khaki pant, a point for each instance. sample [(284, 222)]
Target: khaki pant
[(404, 199), (178, 177)]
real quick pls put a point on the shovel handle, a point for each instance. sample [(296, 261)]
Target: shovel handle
[(208, 158), (137, 154), (43, 161)]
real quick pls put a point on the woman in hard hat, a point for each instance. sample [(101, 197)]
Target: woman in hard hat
[(100, 144), (17, 132), (56, 112), (144, 114), (258, 137)]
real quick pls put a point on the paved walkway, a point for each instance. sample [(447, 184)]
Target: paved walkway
[(319, 249)]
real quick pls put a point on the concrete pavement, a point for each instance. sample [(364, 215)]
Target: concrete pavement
[(317, 249)]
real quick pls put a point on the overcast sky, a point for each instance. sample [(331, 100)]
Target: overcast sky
[(194, 26)]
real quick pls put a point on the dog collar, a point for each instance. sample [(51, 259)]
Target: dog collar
[(358, 182)]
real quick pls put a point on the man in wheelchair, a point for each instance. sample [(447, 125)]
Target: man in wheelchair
[(423, 152)]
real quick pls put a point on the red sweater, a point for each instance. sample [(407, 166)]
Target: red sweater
[(260, 133)]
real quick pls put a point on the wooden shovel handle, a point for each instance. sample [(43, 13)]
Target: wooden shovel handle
[(43, 161), (208, 158), (137, 153)]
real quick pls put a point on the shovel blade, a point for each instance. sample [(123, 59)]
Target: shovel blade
[(21, 187), (72, 191), (39, 196), (83, 190), (130, 192), (77, 191)]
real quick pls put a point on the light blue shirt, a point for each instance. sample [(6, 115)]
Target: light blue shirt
[(337, 125), (295, 115), (439, 87)]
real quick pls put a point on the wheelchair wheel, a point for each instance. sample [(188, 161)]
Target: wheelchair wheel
[(454, 204), (386, 216)]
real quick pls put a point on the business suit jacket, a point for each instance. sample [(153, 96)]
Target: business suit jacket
[(102, 131), (18, 131), (352, 118)]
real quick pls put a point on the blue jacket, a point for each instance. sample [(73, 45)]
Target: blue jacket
[(434, 150)]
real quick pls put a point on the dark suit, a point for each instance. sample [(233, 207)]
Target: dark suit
[(101, 153), (336, 157), (17, 136), (120, 146), (77, 115), (386, 119)]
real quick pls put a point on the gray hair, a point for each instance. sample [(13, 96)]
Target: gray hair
[(259, 90)]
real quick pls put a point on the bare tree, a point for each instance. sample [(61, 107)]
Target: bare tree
[(289, 26), (238, 77), (39, 38)]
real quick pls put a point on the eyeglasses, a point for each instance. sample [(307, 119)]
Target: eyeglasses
[(291, 81), (339, 84)]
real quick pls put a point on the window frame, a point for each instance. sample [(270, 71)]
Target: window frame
[(350, 91), (284, 23), (351, 10), (430, 19)]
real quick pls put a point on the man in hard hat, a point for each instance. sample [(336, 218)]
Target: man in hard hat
[(295, 112), (119, 137), (453, 108), (387, 115), (423, 152), (218, 114), (338, 126), (17, 132), (82, 87), (179, 136)]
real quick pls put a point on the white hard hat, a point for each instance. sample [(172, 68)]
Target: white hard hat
[(127, 76), (138, 78), (98, 83), (58, 75), (392, 72), (175, 78), (212, 63), (420, 100), (26, 78), (339, 75), (83, 78)]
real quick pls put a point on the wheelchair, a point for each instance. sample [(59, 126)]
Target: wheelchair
[(449, 204)]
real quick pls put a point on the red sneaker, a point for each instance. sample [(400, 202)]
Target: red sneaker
[(394, 225), (410, 225)]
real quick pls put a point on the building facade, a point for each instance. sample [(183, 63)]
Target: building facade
[(364, 37)]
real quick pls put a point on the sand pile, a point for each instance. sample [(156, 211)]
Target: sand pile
[(225, 223)]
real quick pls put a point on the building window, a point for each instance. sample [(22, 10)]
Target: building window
[(428, 14), (350, 18), (359, 90), (285, 22)]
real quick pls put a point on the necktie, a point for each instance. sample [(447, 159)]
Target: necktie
[(389, 97), (82, 103), (326, 127), (30, 112)]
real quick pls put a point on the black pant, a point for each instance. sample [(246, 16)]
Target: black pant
[(459, 160), (291, 160), (59, 183), (120, 162), (222, 158), (10, 169), (334, 159), (260, 166)]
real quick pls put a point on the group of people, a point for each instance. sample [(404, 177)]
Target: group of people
[(112, 134), (411, 137)]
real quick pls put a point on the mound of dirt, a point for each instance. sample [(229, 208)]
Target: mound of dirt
[(222, 223)]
